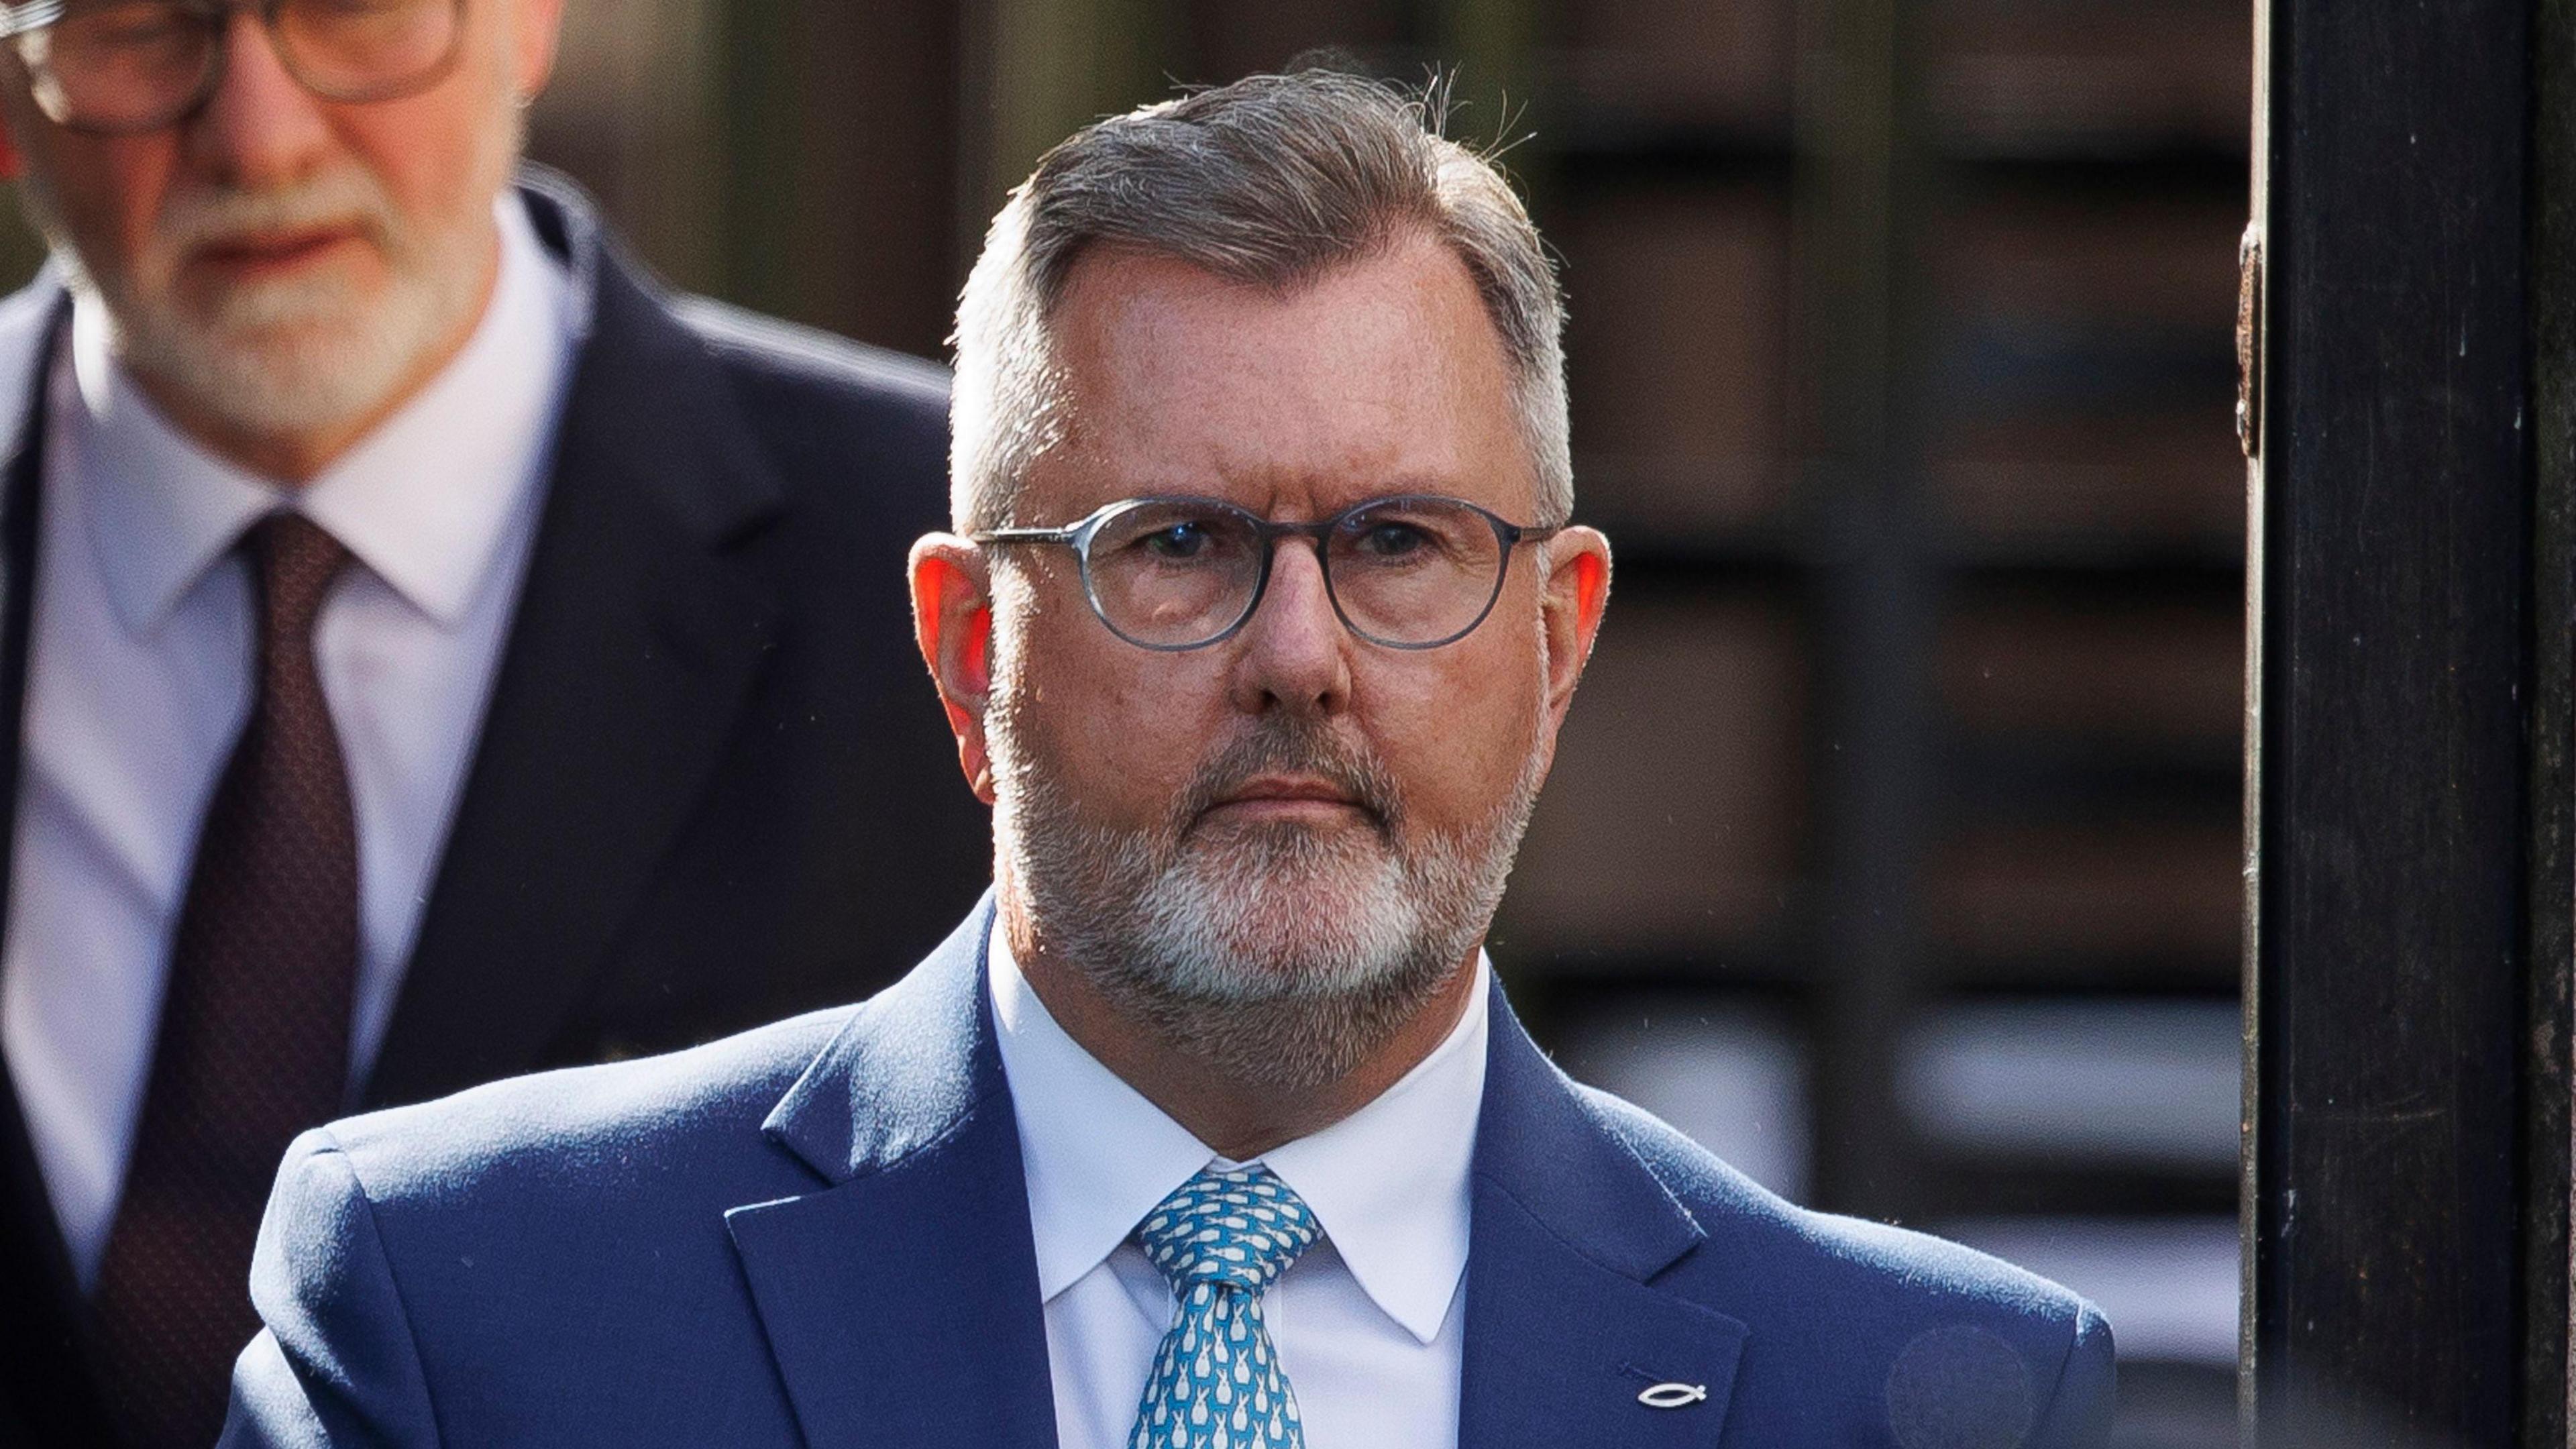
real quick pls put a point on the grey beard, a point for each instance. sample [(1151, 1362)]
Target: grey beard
[(298, 357), (253, 370), (1280, 958)]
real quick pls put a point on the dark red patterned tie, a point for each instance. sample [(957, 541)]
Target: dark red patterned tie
[(254, 1036)]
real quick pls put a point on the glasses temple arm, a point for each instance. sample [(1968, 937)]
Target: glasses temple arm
[(1025, 535), (17, 20)]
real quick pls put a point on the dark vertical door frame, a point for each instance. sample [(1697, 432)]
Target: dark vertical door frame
[(1862, 185), (2549, 1388), (2408, 786)]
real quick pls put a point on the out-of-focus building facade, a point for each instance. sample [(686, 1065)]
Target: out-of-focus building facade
[(1893, 844)]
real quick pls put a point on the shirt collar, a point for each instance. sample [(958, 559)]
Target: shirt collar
[(1389, 1183), (422, 501)]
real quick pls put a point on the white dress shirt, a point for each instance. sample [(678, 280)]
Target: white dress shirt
[(140, 681), (1368, 1323)]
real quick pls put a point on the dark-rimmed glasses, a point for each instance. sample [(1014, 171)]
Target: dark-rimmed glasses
[(1414, 571), (123, 67)]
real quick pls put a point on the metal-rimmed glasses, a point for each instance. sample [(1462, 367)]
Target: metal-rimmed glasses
[(1412, 571), (124, 67)]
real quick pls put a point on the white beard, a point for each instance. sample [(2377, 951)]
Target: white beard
[(292, 355), (1278, 955)]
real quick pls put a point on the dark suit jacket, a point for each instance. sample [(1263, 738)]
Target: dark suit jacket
[(818, 1234), (714, 786)]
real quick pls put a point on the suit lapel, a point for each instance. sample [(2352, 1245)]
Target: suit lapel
[(1564, 1328), (638, 634), (901, 1299), (46, 1394)]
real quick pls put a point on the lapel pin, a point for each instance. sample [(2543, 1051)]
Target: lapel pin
[(1673, 1396)]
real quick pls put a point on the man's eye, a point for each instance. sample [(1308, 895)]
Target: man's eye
[(1392, 540), (1177, 541)]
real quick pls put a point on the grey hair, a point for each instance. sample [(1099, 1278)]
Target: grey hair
[(1272, 181)]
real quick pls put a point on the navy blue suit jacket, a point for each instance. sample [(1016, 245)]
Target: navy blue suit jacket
[(817, 1233)]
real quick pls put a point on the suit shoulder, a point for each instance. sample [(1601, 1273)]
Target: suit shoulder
[(1890, 1267), (766, 351), (1871, 1326), (588, 1127)]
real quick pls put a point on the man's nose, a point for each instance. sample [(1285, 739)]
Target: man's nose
[(1295, 651), (261, 127)]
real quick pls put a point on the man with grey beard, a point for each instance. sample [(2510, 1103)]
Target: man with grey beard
[(1210, 1127), (427, 649)]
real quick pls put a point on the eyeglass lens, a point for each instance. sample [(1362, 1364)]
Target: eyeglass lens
[(1406, 571), (139, 64)]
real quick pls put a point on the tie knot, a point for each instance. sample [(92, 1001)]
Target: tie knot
[(295, 560), (1240, 1227)]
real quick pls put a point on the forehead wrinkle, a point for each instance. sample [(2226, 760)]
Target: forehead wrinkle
[(1297, 495), (1301, 446), (1371, 458)]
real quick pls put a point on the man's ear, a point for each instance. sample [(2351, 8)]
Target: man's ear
[(1577, 591), (535, 27), (952, 620)]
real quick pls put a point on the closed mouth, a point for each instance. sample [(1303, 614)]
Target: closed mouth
[(1289, 798), (274, 250)]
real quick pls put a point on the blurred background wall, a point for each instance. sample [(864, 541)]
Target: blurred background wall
[(1893, 845)]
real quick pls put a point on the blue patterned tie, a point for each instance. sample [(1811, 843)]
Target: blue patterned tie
[(1220, 1239)]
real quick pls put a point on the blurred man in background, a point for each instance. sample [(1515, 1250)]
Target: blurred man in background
[(1211, 1127), (430, 652)]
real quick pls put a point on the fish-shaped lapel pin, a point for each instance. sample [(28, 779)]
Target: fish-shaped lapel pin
[(1673, 1396)]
